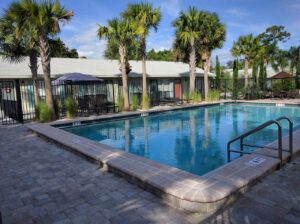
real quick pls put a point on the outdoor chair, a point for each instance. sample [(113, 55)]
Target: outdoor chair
[(292, 94)]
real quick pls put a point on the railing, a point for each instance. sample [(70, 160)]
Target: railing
[(260, 127)]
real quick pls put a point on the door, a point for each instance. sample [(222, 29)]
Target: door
[(177, 89)]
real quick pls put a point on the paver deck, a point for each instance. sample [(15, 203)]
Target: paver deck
[(43, 183)]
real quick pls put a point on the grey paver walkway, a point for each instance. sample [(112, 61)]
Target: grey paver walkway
[(42, 183)]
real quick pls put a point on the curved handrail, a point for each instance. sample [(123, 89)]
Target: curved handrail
[(260, 127), (290, 133)]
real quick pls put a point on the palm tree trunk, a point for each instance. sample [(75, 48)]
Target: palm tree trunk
[(45, 57), (192, 66), (246, 67), (206, 59), (143, 43), (34, 67), (122, 53)]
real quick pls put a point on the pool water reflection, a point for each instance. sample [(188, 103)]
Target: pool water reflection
[(193, 140)]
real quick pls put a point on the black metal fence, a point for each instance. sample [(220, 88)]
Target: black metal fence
[(17, 102), (258, 89)]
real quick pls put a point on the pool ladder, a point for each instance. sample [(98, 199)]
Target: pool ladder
[(260, 127)]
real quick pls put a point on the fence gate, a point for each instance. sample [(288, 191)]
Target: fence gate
[(11, 110)]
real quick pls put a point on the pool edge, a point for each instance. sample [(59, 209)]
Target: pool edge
[(178, 188)]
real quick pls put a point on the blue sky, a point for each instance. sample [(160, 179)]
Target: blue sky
[(240, 17)]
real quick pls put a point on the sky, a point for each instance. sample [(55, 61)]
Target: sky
[(240, 17)]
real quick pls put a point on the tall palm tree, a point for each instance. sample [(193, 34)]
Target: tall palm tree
[(15, 51), (294, 57), (143, 17), (213, 34), (280, 60), (41, 19), (119, 32), (245, 46), (187, 31)]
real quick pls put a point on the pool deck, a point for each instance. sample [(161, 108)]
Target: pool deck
[(183, 190)]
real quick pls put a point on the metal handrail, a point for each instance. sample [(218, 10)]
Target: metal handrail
[(290, 133), (246, 134), (262, 126)]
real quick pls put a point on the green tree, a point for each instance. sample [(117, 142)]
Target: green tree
[(60, 50), (254, 71), (164, 55), (212, 36), (143, 17), (262, 74), (280, 60), (246, 46), (269, 41), (235, 79), (294, 58), (49, 13), (119, 32), (218, 72), (187, 31), (15, 49)]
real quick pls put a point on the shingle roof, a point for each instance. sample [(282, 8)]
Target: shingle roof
[(281, 75), (97, 67)]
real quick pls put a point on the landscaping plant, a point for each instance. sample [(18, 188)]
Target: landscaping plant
[(120, 103), (71, 107), (43, 112), (134, 102)]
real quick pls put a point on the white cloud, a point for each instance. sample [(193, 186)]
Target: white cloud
[(172, 8), (237, 12), (224, 55), (87, 43)]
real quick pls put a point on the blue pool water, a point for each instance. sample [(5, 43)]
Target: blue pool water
[(193, 140)]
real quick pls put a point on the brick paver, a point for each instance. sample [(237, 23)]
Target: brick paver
[(43, 183)]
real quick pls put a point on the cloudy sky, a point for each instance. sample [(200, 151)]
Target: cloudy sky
[(240, 17)]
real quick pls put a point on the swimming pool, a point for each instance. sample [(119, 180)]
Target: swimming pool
[(193, 140)]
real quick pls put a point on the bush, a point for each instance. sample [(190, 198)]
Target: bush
[(213, 95), (120, 103), (71, 107), (43, 113), (134, 102), (186, 96), (195, 97), (146, 102)]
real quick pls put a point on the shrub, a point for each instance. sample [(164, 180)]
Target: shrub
[(213, 95), (186, 96), (195, 97), (120, 103), (146, 102), (71, 107), (134, 102), (43, 113)]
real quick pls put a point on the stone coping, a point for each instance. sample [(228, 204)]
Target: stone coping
[(181, 189)]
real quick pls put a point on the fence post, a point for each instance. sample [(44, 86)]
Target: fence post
[(225, 89), (19, 102)]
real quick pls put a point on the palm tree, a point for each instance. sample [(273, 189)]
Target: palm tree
[(187, 31), (213, 34), (294, 57), (280, 60), (119, 32), (245, 46), (15, 51), (41, 19), (143, 17)]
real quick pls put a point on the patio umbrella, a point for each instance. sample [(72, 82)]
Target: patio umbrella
[(76, 77)]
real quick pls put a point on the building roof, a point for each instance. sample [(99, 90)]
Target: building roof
[(281, 75), (97, 67)]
